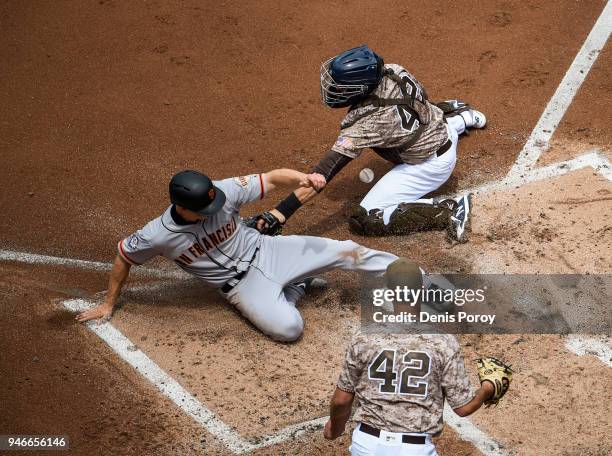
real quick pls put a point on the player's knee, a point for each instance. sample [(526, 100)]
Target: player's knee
[(351, 253), (289, 330), (350, 245)]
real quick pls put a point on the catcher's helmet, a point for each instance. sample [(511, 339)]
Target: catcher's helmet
[(350, 76), (196, 192)]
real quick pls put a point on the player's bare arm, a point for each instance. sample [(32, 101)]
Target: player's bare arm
[(287, 177), (484, 393), (309, 185), (118, 276), (324, 171), (339, 413)]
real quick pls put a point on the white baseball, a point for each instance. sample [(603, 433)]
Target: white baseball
[(366, 175)]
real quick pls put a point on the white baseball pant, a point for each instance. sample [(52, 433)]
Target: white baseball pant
[(388, 444), (266, 296), (409, 183)]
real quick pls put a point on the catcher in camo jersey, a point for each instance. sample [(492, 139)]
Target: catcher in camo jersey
[(390, 113), (401, 382)]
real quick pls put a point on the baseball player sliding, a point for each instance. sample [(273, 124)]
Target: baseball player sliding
[(389, 112), (401, 382), (264, 277)]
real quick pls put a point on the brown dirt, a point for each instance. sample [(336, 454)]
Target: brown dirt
[(553, 396), (559, 225), (586, 125), (104, 100), (58, 378)]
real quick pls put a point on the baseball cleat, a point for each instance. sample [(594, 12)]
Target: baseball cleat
[(471, 117), (479, 120), (312, 283), (459, 221), (449, 203)]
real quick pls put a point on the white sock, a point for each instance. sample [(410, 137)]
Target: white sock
[(468, 118), (425, 201)]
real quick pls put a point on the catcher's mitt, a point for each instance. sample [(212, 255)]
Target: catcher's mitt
[(272, 225), (498, 373)]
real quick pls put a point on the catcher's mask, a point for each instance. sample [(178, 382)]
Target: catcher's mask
[(350, 76)]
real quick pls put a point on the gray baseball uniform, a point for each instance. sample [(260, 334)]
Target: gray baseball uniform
[(220, 248)]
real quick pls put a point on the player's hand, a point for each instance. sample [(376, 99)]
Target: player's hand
[(328, 431), (314, 180), (102, 311), (261, 224)]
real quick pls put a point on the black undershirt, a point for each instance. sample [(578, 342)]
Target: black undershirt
[(177, 217)]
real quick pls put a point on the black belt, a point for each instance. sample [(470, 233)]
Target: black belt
[(412, 439), (444, 148), (231, 283)]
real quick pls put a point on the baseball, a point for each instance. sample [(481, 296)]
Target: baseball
[(366, 175)]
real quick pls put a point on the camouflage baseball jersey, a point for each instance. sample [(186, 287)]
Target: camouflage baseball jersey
[(215, 249), (389, 130), (402, 380)]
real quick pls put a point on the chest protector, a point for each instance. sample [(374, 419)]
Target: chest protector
[(414, 101)]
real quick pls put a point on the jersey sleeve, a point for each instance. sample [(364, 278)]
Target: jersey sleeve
[(243, 189), (455, 381), (138, 248), (354, 139), (352, 368)]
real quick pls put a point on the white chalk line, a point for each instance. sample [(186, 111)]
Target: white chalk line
[(523, 171), (170, 388), (154, 374), (593, 159), (33, 258), (232, 440), (470, 433), (600, 347), (518, 175), (539, 140)]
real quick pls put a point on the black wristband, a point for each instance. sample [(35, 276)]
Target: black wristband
[(289, 205)]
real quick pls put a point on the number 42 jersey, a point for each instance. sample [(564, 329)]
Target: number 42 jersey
[(402, 380)]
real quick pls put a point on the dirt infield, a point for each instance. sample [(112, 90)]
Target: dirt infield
[(102, 101)]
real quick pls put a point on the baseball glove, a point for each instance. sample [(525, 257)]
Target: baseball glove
[(272, 225), (498, 373)]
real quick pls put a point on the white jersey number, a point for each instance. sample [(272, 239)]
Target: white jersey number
[(412, 369)]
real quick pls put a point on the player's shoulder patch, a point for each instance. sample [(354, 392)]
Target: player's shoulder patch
[(133, 241), (242, 181)]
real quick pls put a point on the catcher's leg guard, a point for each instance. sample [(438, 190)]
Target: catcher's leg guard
[(413, 217), (367, 223)]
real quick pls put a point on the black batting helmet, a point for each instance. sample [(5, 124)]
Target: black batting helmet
[(196, 192)]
